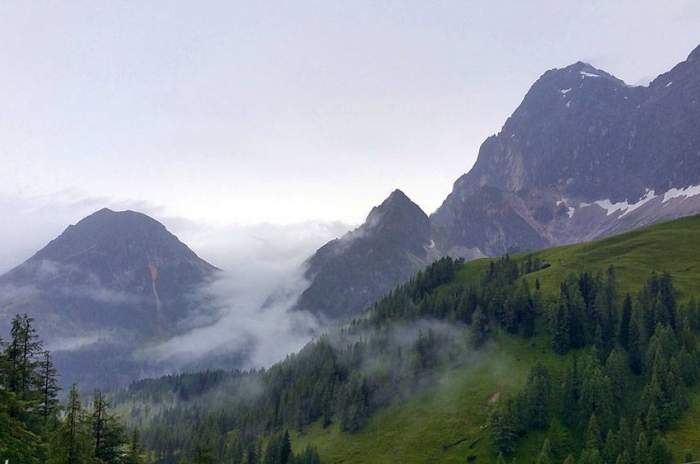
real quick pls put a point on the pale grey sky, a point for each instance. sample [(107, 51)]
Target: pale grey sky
[(281, 112)]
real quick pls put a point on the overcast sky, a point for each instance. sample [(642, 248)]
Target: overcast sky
[(282, 112)]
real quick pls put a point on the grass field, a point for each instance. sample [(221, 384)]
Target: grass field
[(454, 411)]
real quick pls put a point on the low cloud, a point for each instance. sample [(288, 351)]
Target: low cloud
[(262, 276), (263, 267), (78, 342)]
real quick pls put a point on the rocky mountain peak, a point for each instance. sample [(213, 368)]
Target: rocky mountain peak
[(118, 276), (115, 250), (392, 244), (397, 212)]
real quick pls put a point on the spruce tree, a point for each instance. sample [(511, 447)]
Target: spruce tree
[(502, 427), (624, 330), (593, 440), (545, 456), (479, 327), (108, 434), (48, 384), (561, 339), (22, 355), (72, 442)]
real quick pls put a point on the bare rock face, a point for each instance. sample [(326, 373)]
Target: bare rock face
[(351, 272), (107, 285), (583, 156)]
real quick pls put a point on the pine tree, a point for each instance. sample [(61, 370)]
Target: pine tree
[(108, 435), (545, 456), (623, 458), (617, 370), (642, 450), (72, 443), (21, 431), (479, 328), (17, 443), (285, 449), (502, 427), (659, 452), (561, 339), (537, 395), (136, 452), (308, 456), (593, 434), (560, 440), (590, 456), (251, 455), (624, 330), (354, 408), (22, 353), (634, 349), (49, 388), (612, 447), (653, 422), (279, 449)]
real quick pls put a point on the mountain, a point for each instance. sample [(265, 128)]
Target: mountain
[(356, 269), (107, 285), (584, 156)]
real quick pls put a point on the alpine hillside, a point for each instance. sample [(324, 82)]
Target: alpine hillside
[(585, 352)]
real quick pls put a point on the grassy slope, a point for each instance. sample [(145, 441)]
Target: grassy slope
[(672, 247), (455, 409), (416, 430)]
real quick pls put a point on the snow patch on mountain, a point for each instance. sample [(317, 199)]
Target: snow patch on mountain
[(687, 192), (622, 206), (625, 207)]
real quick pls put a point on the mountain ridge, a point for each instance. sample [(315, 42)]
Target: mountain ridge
[(583, 156)]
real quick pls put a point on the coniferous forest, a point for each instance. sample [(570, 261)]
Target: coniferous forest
[(626, 362), (625, 365)]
